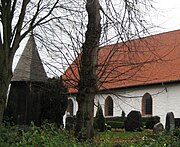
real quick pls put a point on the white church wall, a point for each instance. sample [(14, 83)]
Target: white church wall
[(166, 98), (173, 102)]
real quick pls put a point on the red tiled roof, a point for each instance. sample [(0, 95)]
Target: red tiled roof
[(149, 60)]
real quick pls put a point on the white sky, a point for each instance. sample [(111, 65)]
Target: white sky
[(166, 16)]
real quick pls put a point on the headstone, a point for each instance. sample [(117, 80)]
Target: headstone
[(70, 122), (158, 128), (170, 121), (133, 121)]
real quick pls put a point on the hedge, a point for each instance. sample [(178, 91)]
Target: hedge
[(115, 124), (118, 122)]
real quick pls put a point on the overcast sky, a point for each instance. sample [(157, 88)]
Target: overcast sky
[(167, 14)]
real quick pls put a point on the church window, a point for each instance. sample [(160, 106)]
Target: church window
[(147, 104), (109, 106)]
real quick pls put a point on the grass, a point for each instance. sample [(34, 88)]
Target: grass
[(145, 138), (121, 137)]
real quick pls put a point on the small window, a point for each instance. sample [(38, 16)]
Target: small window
[(108, 106), (147, 104), (70, 107)]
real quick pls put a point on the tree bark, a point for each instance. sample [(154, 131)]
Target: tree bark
[(5, 76), (88, 79)]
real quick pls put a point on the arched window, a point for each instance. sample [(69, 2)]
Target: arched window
[(109, 106), (70, 107), (147, 104)]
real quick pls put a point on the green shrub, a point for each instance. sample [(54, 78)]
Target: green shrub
[(176, 132), (177, 122), (123, 114), (116, 124), (152, 121), (48, 135), (99, 121), (8, 135), (117, 118), (54, 103), (149, 122)]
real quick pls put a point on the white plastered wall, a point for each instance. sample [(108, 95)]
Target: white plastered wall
[(166, 98)]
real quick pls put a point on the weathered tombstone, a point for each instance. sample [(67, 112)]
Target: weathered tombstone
[(133, 121), (170, 121), (69, 122), (158, 128)]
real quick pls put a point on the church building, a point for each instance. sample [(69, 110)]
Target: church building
[(141, 74)]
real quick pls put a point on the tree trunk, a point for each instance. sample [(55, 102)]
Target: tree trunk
[(88, 79), (4, 84), (5, 78)]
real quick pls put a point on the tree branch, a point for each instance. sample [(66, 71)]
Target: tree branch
[(18, 27)]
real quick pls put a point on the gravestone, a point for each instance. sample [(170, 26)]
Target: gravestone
[(133, 121), (70, 122), (158, 128), (170, 121)]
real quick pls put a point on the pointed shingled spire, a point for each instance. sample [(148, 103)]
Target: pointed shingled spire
[(29, 66)]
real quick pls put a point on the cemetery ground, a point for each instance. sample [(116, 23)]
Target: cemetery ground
[(49, 135)]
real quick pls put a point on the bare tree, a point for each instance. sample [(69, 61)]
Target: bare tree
[(17, 19), (121, 21)]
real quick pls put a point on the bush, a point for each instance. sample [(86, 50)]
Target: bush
[(99, 121), (8, 135), (123, 114), (177, 122), (133, 121), (48, 135), (117, 118), (54, 103), (149, 122), (116, 124), (176, 132)]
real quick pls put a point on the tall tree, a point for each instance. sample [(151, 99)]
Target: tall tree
[(87, 85), (121, 21)]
